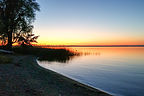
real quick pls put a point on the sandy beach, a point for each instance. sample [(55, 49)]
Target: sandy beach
[(24, 77)]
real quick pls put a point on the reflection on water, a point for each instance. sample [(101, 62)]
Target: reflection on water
[(61, 59), (118, 71)]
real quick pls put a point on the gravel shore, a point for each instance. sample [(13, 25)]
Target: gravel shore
[(24, 77)]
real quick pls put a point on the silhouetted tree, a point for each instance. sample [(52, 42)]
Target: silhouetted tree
[(25, 38), (16, 17)]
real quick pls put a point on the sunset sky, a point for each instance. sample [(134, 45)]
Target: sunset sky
[(90, 22)]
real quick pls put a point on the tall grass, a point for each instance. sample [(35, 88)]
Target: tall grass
[(60, 55)]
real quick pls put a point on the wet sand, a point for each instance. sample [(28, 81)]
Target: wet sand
[(24, 77)]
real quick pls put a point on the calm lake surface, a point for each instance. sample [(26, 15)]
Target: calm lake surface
[(116, 70)]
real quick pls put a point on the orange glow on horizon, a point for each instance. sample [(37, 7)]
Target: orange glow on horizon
[(80, 42), (87, 36)]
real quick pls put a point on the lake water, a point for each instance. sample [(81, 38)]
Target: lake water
[(116, 70)]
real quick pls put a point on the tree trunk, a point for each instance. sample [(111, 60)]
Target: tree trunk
[(9, 45)]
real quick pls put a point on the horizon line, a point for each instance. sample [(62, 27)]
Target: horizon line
[(90, 45)]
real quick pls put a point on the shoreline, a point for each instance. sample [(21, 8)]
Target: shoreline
[(71, 80), (25, 77), (83, 84)]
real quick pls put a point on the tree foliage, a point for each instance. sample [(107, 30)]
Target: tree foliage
[(16, 17)]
